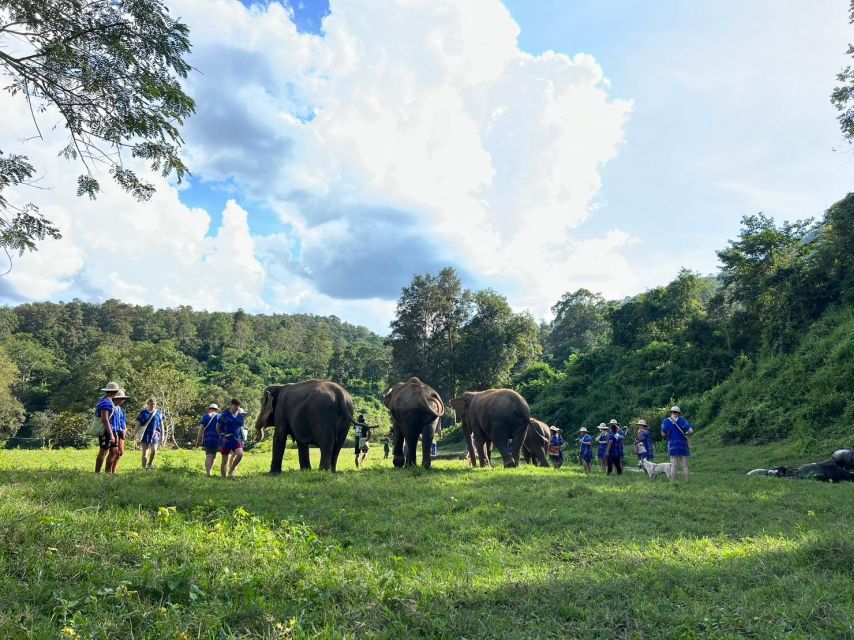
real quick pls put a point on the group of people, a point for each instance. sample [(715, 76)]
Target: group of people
[(610, 450), (219, 432)]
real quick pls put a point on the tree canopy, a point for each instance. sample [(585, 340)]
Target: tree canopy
[(111, 69)]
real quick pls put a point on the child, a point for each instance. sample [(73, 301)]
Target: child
[(556, 446), (586, 451)]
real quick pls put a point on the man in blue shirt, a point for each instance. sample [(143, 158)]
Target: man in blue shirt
[(230, 428), (677, 429), (586, 451), (105, 410), (208, 436), (150, 421)]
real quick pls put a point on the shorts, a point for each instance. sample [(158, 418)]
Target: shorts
[(228, 449), (211, 449), (150, 441), (361, 446), (587, 457), (679, 449), (105, 443)]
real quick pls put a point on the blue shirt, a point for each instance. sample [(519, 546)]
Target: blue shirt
[(677, 441), (154, 430), (210, 437), (105, 405), (231, 427), (555, 443), (586, 445), (616, 440), (602, 441), (646, 438), (119, 421)]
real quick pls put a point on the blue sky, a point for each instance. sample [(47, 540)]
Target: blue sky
[(538, 147)]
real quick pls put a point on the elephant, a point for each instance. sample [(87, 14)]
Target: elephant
[(827, 471), (494, 416), (416, 410), (312, 412), (535, 446), (844, 458)]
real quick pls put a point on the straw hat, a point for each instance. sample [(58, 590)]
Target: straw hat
[(121, 394), (554, 428), (602, 426), (582, 430), (641, 423), (613, 421), (111, 386), (214, 406), (675, 409)]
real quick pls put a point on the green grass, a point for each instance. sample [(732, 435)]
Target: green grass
[(451, 553)]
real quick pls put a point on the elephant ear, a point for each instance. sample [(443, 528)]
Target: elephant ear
[(266, 418)]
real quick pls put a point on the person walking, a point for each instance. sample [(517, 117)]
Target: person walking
[(119, 426), (386, 447), (150, 420), (105, 410), (602, 441), (643, 442), (677, 429), (614, 449), (586, 449), (363, 434), (208, 436), (230, 429), (556, 446)]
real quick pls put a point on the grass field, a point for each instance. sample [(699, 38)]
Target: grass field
[(451, 553)]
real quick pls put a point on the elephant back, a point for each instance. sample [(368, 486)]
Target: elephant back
[(414, 396)]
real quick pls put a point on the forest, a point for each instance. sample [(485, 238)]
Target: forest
[(761, 351)]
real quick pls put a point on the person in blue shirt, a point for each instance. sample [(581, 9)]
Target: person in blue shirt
[(230, 429), (643, 442), (119, 427), (105, 410), (150, 420), (556, 447), (602, 441), (677, 429), (614, 450), (586, 450), (208, 436)]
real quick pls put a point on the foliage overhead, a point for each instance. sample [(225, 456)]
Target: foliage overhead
[(111, 69)]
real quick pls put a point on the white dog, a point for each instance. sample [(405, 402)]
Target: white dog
[(653, 470)]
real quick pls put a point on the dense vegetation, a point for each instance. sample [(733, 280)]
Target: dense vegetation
[(762, 351), (453, 553)]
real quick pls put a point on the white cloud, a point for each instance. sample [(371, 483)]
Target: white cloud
[(413, 134)]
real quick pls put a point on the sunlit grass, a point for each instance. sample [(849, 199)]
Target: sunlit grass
[(453, 552)]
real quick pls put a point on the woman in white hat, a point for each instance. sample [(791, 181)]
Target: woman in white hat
[(556, 447), (643, 442), (119, 426), (208, 436), (586, 451), (677, 429), (105, 410), (602, 441)]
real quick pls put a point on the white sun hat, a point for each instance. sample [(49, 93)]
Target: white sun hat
[(675, 409), (111, 386), (214, 406), (613, 421), (641, 423)]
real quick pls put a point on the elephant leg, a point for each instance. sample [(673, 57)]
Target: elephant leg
[(507, 453), (480, 446), (304, 459), (280, 441), (336, 451), (397, 445), (325, 459), (411, 447), (427, 444), (467, 434)]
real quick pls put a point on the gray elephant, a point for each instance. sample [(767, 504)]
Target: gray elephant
[(535, 446), (826, 471), (844, 458), (416, 410), (495, 416), (312, 412)]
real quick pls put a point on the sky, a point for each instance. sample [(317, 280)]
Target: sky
[(338, 148)]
